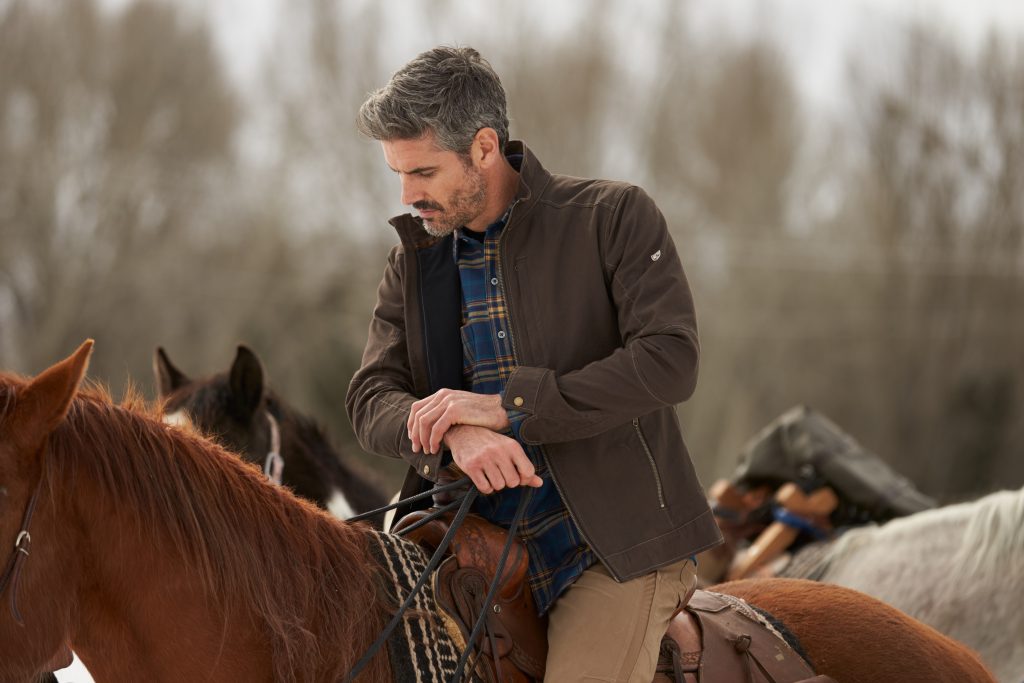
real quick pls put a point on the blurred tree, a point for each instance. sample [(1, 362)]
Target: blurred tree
[(116, 129), (872, 270)]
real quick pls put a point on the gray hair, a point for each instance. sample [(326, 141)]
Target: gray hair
[(450, 91)]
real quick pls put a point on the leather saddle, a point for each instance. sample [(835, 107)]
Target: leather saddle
[(514, 646), (717, 639), (708, 641)]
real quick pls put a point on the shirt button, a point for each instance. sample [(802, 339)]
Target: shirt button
[(426, 469), (501, 334), (494, 281), (518, 401)]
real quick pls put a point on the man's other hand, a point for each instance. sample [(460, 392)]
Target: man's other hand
[(493, 461), (431, 417)]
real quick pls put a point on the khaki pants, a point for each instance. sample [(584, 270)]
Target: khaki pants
[(601, 630)]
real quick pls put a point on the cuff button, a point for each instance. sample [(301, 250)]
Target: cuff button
[(518, 401), (426, 469)]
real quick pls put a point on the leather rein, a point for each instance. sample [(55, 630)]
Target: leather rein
[(16, 560)]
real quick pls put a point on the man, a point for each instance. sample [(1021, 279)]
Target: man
[(537, 330)]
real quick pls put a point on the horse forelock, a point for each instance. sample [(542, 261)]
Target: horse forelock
[(252, 546)]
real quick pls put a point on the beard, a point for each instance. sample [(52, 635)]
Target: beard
[(463, 206)]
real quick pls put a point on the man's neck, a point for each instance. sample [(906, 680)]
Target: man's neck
[(503, 185)]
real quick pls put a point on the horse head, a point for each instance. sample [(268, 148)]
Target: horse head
[(243, 414), (35, 574), (230, 406)]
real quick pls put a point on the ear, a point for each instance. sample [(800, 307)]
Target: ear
[(44, 402), (168, 377), (246, 383), (486, 151)]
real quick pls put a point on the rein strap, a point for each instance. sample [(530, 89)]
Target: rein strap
[(22, 544)]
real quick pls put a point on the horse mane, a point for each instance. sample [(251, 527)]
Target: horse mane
[(991, 536), (994, 535), (251, 545)]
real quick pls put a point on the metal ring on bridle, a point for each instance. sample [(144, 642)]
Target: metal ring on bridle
[(23, 536)]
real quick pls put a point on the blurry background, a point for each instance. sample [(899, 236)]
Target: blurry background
[(845, 182)]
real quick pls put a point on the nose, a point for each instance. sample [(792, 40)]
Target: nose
[(411, 191)]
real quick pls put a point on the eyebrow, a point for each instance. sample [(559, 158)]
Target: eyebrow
[(419, 169)]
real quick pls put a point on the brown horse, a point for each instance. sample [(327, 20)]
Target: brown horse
[(238, 409), (158, 556)]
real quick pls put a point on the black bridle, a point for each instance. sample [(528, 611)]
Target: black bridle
[(15, 561)]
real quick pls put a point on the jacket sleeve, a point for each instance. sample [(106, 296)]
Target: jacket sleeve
[(381, 391), (656, 366)]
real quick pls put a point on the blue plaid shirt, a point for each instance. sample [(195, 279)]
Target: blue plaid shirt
[(558, 553)]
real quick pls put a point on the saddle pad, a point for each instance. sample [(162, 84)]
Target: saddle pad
[(421, 649)]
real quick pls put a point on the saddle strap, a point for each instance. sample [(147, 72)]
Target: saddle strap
[(711, 640)]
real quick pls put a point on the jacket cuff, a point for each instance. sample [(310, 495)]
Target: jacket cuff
[(523, 389), (427, 465)]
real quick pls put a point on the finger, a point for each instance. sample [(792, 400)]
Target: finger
[(494, 476), (425, 424), (416, 431), (415, 411), (437, 432), (481, 482), (508, 470), (527, 471), (410, 425)]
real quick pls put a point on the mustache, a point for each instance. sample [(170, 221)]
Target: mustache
[(424, 205)]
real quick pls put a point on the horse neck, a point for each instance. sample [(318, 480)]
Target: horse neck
[(142, 613), (301, 435), (349, 490), (251, 585)]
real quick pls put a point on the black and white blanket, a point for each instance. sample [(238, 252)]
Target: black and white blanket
[(426, 646)]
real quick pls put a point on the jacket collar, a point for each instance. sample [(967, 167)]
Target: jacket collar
[(533, 179)]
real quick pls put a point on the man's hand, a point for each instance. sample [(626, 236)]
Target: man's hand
[(493, 461), (430, 418)]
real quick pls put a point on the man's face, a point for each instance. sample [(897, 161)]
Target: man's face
[(444, 187)]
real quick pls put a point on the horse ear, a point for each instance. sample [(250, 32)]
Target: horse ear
[(168, 377), (246, 382), (44, 402)]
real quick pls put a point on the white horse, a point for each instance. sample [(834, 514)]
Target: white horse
[(958, 568)]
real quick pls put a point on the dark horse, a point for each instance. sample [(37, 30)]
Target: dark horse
[(159, 556), (237, 409)]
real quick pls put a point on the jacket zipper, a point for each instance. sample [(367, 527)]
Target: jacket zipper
[(650, 459), (515, 356)]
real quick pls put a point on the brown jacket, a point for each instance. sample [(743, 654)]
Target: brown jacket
[(605, 338)]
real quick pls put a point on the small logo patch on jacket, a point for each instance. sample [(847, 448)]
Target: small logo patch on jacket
[(656, 255)]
